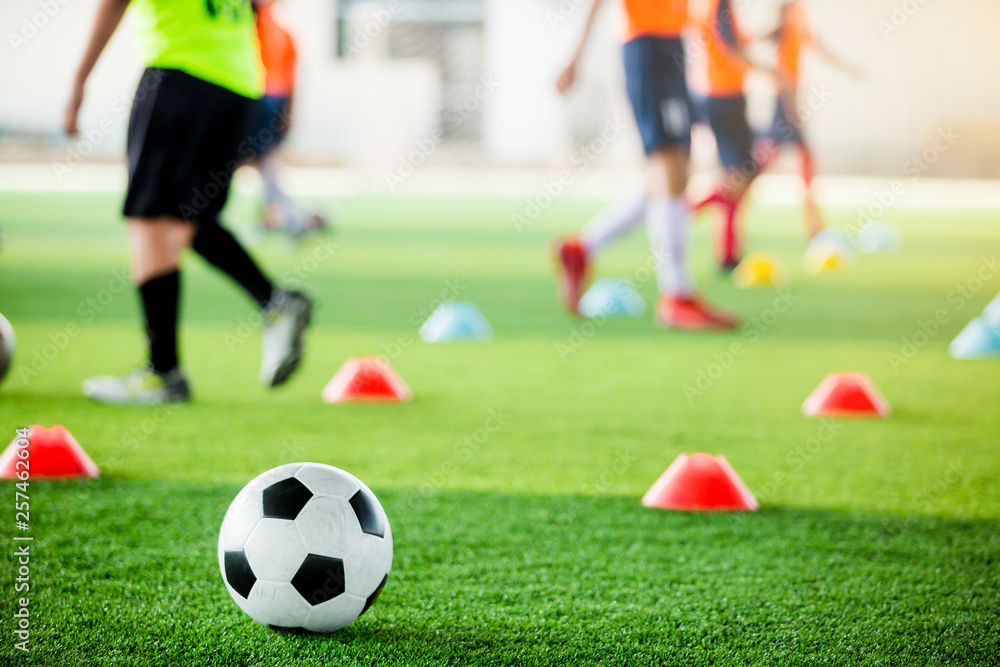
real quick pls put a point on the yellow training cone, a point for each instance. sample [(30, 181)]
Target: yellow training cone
[(821, 258), (760, 270)]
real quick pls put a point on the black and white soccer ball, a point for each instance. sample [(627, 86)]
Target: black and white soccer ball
[(7, 342), (305, 547)]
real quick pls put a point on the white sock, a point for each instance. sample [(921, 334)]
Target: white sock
[(618, 217), (667, 220)]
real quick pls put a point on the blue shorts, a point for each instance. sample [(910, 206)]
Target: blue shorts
[(656, 81), (727, 118), (270, 124), (783, 130)]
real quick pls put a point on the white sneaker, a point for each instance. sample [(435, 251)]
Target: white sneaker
[(286, 319), (143, 386)]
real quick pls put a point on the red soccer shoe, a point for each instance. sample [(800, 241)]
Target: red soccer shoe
[(690, 314), (574, 268)]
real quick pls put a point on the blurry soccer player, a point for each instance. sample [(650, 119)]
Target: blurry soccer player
[(188, 130), (720, 74), (277, 52), (655, 75), (794, 37)]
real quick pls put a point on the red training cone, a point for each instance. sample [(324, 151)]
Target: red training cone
[(366, 379), (52, 453), (846, 395), (700, 482)]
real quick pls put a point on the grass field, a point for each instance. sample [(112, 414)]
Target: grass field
[(878, 542)]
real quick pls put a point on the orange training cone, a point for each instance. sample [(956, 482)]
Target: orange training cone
[(700, 482), (846, 395), (52, 453), (366, 379)]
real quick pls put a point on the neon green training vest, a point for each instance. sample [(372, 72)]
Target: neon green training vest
[(213, 40)]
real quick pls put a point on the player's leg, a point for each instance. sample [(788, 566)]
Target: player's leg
[(668, 222), (620, 217), (700, 106), (219, 247), (286, 313), (787, 129), (574, 253), (814, 218), (156, 246), (183, 145), (657, 83), (728, 120), (158, 180), (767, 147), (278, 210)]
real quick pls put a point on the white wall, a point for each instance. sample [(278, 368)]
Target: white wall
[(935, 71), (364, 112), (38, 58)]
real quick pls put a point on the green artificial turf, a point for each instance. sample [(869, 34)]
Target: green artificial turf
[(512, 480)]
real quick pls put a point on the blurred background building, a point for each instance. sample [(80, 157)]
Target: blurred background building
[(384, 84)]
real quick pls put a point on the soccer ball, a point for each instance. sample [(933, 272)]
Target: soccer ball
[(7, 341), (305, 547)]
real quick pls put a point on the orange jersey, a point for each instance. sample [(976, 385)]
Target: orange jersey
[(655, 18), (794, 37), (721, 73), (277, 53)]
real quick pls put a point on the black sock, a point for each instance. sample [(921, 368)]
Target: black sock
[(160, 303), (224, 252)]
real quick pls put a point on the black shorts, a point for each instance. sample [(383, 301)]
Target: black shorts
[(727, 118), (186, 137), (655, 76)]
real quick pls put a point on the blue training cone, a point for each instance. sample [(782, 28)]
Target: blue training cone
[(992, 314), (878, 237), (612, 297), (456, 321), (977, 341), (835, 239)]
